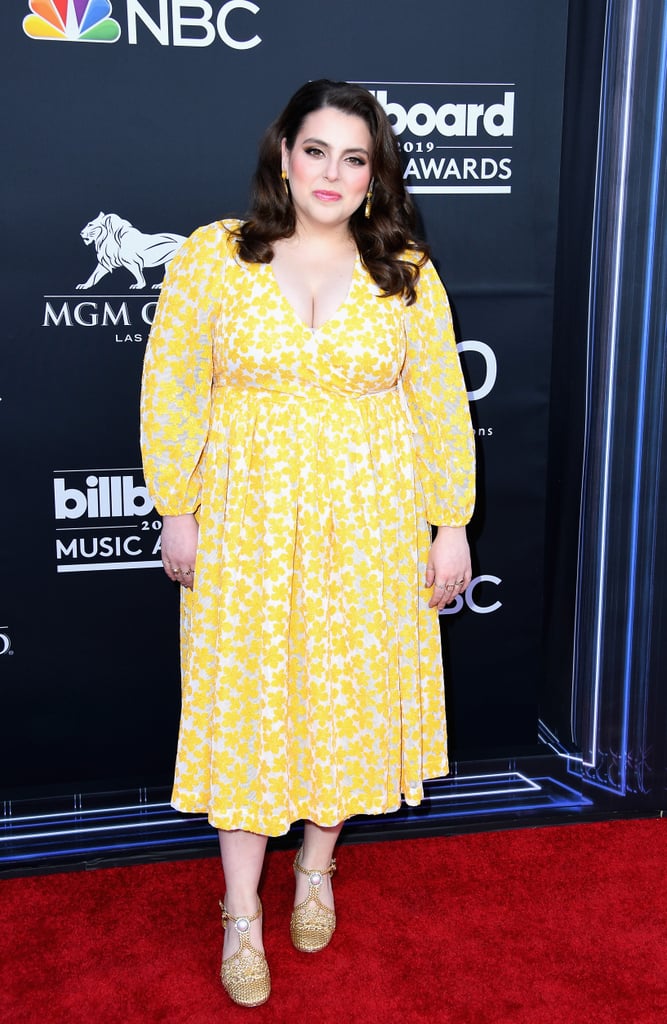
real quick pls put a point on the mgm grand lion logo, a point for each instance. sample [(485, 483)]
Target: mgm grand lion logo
[(119, 244)]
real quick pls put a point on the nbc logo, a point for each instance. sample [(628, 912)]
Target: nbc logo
[(79, 21), (170, 22)]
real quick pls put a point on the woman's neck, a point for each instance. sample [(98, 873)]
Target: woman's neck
[(318, 237)]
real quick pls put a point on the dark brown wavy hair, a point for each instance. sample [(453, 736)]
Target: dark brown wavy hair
[(386, 241)]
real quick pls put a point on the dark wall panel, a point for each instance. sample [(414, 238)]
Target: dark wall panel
[(159, 127)]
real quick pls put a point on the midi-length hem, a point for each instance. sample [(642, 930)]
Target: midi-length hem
[(179, 803), (314, 461)]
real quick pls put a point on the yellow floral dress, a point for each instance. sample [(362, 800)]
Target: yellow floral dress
[(314, 459)]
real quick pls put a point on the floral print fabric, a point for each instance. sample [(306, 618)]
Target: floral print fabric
[(314, 460)]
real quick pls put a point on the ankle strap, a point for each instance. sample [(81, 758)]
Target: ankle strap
[(226, 916), (310, 871)]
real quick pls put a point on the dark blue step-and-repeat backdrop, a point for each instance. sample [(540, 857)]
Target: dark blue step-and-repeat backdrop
[(128, 124)]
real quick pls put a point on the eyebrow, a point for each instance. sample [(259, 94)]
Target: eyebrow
[(321, 142)]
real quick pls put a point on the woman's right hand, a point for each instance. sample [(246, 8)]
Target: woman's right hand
[(179, 548)]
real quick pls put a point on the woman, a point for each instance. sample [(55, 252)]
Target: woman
[(304, 419)]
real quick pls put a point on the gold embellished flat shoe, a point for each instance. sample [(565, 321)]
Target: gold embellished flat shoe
[(312, 924), (245, 974)]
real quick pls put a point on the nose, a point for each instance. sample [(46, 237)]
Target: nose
[(331, 169)]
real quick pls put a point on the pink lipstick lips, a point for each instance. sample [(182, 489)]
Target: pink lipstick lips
[(327, 197)]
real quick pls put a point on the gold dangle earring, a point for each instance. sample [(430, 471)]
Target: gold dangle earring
[(369, 200), (283, 175)]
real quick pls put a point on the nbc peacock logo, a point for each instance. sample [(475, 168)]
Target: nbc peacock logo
[(73, 21)]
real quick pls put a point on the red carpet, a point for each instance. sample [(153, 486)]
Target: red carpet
[(564, 925)]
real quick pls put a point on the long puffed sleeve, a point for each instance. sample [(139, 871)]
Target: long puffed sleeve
[(178, 371), (438, 403)]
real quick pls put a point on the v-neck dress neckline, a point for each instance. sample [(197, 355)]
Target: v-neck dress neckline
[(337, 312)]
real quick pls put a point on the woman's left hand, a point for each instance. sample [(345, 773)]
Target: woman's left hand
[(448, 569)]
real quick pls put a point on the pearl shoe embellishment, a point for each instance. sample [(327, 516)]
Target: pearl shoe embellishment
[(242, 924), (315, 877)]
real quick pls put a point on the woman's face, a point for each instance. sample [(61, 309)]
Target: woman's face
[(329, 166)]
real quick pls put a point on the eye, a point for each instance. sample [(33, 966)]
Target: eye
[(356, 161), (313, 151)]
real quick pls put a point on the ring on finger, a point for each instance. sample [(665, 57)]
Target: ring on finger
[(440, 586)]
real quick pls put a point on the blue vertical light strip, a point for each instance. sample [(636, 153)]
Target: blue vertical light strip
[(592, 307), (647, 306), (615, 302), (594, 318), (614, 285)]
